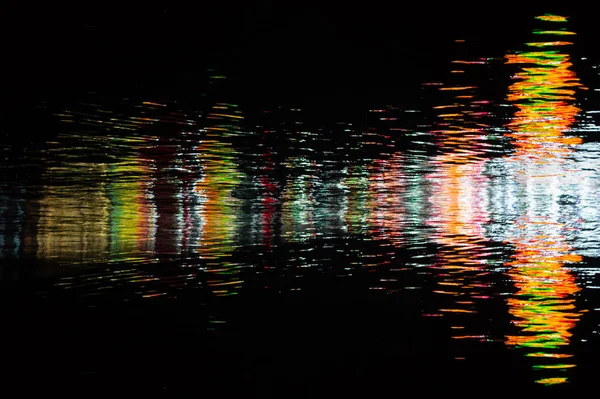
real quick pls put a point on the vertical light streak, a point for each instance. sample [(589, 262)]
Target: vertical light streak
[(387, 185), (218, 208), (458, 201), (298, 202), (132, 214), (544, 305), (356, 185), (73, 223)]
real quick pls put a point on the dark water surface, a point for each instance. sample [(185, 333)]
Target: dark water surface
[(449, 246)]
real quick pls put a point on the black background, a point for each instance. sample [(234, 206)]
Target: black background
[(334, 55)]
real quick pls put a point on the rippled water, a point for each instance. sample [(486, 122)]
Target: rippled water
[(470, 235)]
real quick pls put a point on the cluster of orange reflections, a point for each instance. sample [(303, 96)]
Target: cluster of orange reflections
[(544, 92), (218, 206), (544, 305), (458, 205)]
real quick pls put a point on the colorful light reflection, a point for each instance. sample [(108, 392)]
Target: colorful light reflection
[(132, 213), (218, 207), (544, 306), (458, 202)]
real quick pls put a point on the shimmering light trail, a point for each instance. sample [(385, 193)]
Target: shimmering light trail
[(132, 214), (544, 307), (218, 208), (459, 202)]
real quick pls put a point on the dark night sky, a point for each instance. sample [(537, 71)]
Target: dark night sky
[(272, 51)]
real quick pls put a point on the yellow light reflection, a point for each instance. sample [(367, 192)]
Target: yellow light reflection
[(219, 208), (552, 18), (73, 223), (360, 199), (132, 214)]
